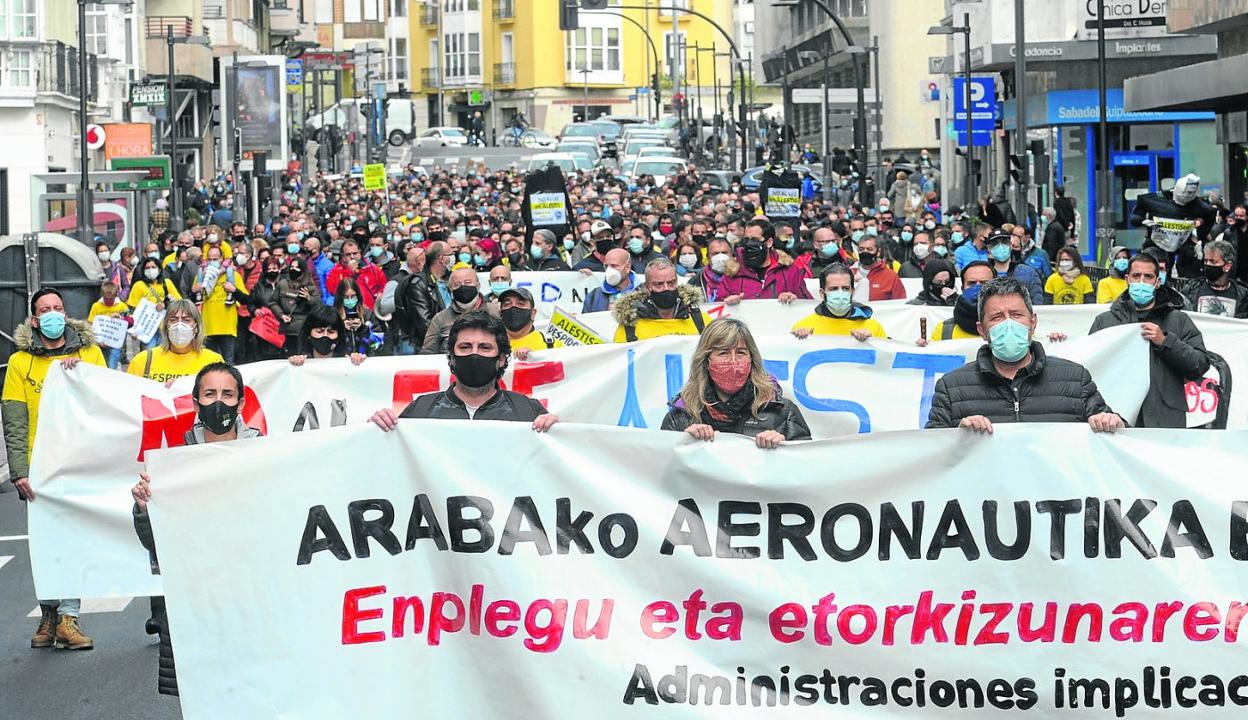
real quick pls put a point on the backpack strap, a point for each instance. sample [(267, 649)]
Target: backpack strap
[(695, 314), (946, 329), (630, 333), (147, 364), (550, 344)]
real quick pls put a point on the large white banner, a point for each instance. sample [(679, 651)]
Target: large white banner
[(1226, 336), (550, 288), (1040, 572), (96, 425)]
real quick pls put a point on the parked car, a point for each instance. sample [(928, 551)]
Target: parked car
[(633, 147), (540, 139), (566, 162), (659, 167), (442, 137)]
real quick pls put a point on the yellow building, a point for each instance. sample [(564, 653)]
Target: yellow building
[(511, 57)]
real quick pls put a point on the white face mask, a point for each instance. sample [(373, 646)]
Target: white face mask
[(102, 255), (181, 334), (688, 260), (612, 276), (1065, 265), (151, 273), (930, 225), (719, 262), (922, 251)]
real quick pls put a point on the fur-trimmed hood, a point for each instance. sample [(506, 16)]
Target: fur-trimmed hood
[(734, 265), (636, 305), (77, 336)]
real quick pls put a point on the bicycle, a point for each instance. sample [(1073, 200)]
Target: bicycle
[(519, 137)]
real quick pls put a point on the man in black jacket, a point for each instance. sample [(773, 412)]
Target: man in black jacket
[(1178, 349), (1012, 380), (477, 350), (415, 303), (1218, 292)]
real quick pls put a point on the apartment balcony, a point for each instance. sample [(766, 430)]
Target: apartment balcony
[(188, 60), (364, 31), (429, 15), (504, 10), (55, 65), (284, 22), (429, 78), (505, 73)]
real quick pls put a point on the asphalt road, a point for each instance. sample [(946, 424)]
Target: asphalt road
[(115, 680), (499, 158)]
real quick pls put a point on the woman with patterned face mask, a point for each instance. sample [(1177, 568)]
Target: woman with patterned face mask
[(730, 391)]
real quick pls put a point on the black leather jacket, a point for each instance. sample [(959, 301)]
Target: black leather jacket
[(446, 405), (780, 415)]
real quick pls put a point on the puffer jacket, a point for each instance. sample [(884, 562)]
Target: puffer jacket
[(446, 405), (780, 414), (634, 311), (167, 675), (1047, 390), (780, 276), (1180, 358), (16, 415)]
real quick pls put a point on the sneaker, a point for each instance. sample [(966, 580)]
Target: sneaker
[(46, 634), (70, 637)]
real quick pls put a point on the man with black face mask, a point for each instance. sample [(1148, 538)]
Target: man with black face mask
[(518, 311), (218, 395), (465, 297), (477, 351), (603, 236), (762, 272), (660, 307)]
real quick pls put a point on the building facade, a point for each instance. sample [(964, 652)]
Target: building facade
[(506, 57)]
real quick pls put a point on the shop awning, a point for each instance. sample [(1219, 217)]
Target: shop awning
[(1216, 85)]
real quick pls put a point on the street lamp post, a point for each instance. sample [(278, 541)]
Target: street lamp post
[(585, 102), (86, 210), (965, 30), (175, 184)]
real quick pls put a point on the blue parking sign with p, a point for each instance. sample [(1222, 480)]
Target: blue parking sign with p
[(983, 109)]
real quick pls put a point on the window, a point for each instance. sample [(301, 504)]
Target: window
[(672, 51), (463, 54), (594, 48), (673, 3), (22, 19), (97, 30), (325, 11), (17, 70), (352, 11), (372, 10), (435, 54), (130, 42), (508, 50), (398, 59), (474, 54), (398, 8)]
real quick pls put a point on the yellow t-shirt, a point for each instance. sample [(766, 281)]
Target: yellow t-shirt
[(23, 382), (99, 308), (958, 333), (821, 325), (156, 292), (1109, 288), (1068, 293), (658, 327), (219, 318), (168, 365), (533, 341)]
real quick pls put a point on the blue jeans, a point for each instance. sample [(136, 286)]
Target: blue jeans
[(66, 606), (112, 357), (403, 346), (223, 345), (154, 342)]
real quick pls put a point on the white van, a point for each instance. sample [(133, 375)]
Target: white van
[(400, 119)]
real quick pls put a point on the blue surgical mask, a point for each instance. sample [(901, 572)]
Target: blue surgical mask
[(350, 303), (1010, 340), (569, 243), (497, 287), (873, 231), (293, 248), (1000, 253), (376, 251), (857, 236), (1161, 277), (1141, 293), (956, 237), (971, 294), (52, 324), (214, 264), (636, 245), (537, 253), (839, 302), (789, 243), (940, 250), (482, 260), (906, 236), (465, 257), (1121, 264), (829, 250)]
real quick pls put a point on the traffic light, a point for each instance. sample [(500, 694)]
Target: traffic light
[(569, 18), (654, 82), (593, 4)]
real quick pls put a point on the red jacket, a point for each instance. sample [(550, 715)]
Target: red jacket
[(780, 276), (885, 284), (370, 278)]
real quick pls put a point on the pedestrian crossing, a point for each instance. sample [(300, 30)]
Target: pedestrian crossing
[(4, 559), (94, 606)]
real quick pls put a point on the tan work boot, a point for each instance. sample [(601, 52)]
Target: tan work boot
[(46, 633), (70, 637)]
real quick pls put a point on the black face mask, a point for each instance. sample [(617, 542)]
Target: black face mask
[(464, 294), (937, 289), (702, 239), (1214, 273), (755, 254), (475, 371), (516, 318), (604, 246), (664, 299), (218, 417), (867, 259), (271, 276), (293, 271), (437, 235), (323, 345)]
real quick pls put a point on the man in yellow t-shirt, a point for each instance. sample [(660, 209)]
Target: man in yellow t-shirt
[(838, 314), (518, 310), (46, 337)]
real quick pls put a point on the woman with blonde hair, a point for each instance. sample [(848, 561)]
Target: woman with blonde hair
[(729, 390), (181, 351)]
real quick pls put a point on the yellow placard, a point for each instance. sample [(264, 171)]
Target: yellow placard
[(566, 328), (375, 177)]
